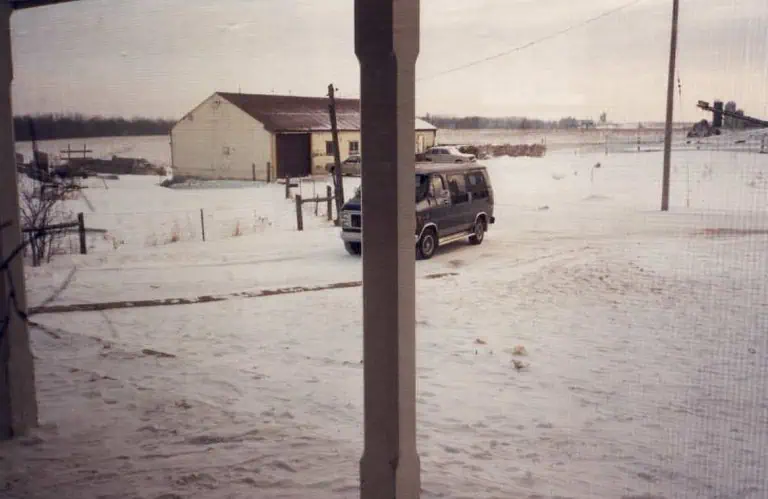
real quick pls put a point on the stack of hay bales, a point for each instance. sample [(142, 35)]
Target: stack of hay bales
[(517, 150), (513, 150)]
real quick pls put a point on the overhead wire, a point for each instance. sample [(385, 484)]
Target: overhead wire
[(533, 42), (524, 46)]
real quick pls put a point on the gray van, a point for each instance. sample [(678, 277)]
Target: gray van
[(454, 201)]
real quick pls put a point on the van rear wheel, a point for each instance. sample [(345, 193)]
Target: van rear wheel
[(478, 233)]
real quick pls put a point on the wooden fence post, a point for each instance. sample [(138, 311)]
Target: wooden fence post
[(202, 223), (299, 214), (287, 187), (269, 172), (329, 200), (81, 230), (253, 167)]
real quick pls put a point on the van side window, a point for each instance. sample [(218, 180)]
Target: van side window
[(437, 185), (458, 189), (476, 185)]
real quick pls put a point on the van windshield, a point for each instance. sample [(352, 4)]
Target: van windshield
[(422, 188)]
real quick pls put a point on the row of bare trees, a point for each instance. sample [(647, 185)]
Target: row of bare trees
[(72, 126)]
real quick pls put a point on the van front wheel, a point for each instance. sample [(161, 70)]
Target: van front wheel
[(427, 245)]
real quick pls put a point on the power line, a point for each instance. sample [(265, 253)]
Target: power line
[(534, 42)]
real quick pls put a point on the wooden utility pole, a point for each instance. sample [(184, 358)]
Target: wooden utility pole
[(670, 109), (337, 179)]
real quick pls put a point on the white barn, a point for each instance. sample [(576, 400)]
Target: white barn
[(265, 137)]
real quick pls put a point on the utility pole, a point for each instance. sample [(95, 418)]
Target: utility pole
[(337, 179), (670, 108)]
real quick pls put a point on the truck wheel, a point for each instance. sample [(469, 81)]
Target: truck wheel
[(478, 233), (353, 248), (427, 245)]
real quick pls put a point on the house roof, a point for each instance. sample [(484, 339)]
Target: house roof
[(286, 113)]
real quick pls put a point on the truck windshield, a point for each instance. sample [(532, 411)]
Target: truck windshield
[(422, 188)]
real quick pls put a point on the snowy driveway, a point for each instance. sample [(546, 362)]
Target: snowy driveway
[(646, 343)]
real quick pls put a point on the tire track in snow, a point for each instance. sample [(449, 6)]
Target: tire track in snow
[(165, 302), (556, 259)]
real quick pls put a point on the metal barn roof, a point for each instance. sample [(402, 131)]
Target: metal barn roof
[(287, 113)]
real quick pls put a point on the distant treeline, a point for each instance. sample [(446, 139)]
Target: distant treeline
[(75, 126), (509, 123)]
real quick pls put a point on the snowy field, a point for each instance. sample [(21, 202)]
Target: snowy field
[(645, 333), (155, 149)]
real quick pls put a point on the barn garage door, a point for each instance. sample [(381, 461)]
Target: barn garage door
[(294, 157)]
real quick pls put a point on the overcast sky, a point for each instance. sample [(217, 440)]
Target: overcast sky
[(162, 57)]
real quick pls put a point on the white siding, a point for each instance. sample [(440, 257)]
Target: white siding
[(319, 157), (219, 141), (425, 139)]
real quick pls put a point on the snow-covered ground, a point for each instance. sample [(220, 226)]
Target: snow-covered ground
[(645, 333)]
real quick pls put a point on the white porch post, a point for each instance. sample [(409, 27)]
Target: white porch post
[(387, 45), (18, 403)]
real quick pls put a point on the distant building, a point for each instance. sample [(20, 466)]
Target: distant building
[(235, 136)]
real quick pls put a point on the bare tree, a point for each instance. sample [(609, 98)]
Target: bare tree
[(42, 209)]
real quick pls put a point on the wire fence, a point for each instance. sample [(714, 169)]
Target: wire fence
[(613, 143), (147, 229), (610, 141)]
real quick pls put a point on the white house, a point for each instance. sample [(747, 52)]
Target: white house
[(264, 137)]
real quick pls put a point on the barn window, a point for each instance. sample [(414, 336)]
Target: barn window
[(354, 147), (329, 150)]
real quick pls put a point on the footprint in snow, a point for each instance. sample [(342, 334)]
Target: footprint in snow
[(519, 365)]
